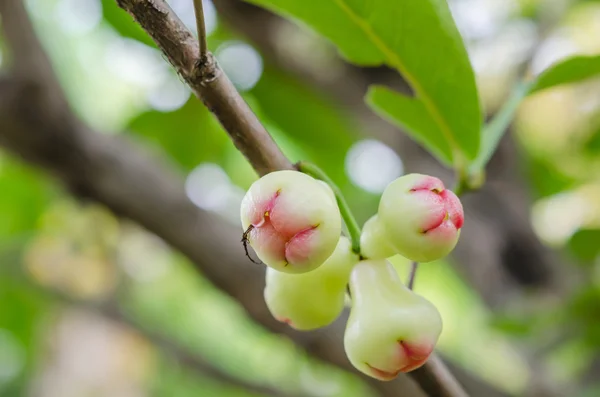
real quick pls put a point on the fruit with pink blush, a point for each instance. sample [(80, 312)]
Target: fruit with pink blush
[(292, 221), (391, 329), (421, 218), (315, 299), (373, 240)]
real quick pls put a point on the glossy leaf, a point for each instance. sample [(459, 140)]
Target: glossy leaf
[(571, 70), (416, 37), (411, 115)]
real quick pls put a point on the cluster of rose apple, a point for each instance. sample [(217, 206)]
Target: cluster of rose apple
[(294, 224)]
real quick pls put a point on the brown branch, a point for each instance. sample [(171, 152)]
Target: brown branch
[(209, 83)]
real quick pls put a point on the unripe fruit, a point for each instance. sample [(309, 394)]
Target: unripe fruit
[(314, 299), (391, 329), (373, 240), (296, 223), (422, 219)]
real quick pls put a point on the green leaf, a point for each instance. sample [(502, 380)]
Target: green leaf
[(584, 245), (189, 134), (25, 196), (411, 115), (571, 70), (416, 37)]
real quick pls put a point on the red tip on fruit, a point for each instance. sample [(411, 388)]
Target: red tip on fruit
[(454, 208), (410, 357), (445, 204), (430, 183)]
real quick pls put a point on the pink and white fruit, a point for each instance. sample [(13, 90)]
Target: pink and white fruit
[(391, 329), (422, 219), (296, 223), (373, 240), (314, 299)]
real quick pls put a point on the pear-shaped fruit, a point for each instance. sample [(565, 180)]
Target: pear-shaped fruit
[(296, 223), (422, 219), (391, 329), (373, 241), (314, 299)]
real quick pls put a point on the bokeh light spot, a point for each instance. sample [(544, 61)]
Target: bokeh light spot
[(78, 16), (242, 63), (372, 165)]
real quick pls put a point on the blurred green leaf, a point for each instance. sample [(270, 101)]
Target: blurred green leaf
[(571, 70), (584, 245), (592, 145), (584, 310), (420, 40), (544, 177), (411, 115), (190, 134), (123, 23), (512, 326), (25, 195), (19, 321)]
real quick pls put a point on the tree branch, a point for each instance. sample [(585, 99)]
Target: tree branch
[(209, 83)]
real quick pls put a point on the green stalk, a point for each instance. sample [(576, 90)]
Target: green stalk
[(351, 224)]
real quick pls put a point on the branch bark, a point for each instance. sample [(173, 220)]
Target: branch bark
[(112, 171)]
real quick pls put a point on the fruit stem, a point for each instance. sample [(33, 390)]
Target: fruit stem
[(201, 27), (351, 224), (413, 273)]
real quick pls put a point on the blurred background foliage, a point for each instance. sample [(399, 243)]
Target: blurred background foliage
[(54, 250)]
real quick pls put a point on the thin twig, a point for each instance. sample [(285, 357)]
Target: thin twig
[(412, 275), (201, 27), (436, 379)]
